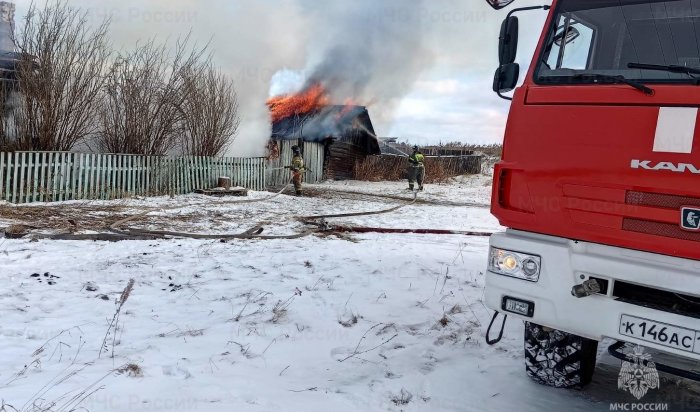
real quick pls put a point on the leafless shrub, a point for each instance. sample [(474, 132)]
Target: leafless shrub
[(60, 73), (394, 168), (9, 104), (376, 168), (490, 150), (210, 116), (142, 109)]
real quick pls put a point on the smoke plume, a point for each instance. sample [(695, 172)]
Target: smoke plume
[(370, 51)]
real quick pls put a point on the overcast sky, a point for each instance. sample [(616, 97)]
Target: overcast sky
[(449, 47)]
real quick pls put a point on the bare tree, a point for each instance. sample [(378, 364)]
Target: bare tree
[(210, 112), (60, 72), (142, 108), (9, 104)]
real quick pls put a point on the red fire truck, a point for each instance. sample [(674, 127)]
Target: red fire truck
[(599, 185)]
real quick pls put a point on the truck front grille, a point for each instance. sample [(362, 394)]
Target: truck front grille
[(661, 201), (677, 303), (659, 229)]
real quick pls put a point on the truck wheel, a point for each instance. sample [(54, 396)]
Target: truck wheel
[(558, 359)]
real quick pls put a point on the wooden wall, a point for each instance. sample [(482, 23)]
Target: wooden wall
[(341, 158), (313, 154)]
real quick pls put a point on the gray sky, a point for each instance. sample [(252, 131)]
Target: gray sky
[(442, 93)]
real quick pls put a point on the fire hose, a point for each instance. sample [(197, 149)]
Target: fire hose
[(119, 232), (395, 197), (250, 234)]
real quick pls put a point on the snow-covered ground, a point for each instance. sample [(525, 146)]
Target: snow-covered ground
[(355, 323)]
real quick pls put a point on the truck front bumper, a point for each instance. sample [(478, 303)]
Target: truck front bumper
[(566, 263)]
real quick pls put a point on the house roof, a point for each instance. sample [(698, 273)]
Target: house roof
[(349, 124)]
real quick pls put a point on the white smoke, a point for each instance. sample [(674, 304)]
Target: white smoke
[(372, 51)]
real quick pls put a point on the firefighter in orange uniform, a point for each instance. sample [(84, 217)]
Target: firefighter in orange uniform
[(298, 170)]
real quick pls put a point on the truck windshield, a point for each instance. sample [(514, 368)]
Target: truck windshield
[(615, 37)]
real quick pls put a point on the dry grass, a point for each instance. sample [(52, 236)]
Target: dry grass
[(403, 398), (394, 168), (352, 320), (279, 311), (490, 150), (64, 217), (77, 218), (15, 231), (114, 324), (133, 370)]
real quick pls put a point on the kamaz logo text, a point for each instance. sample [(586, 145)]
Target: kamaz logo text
[(673, 167), (690, 218)]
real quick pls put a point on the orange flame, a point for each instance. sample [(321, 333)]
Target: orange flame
[(306, 101)]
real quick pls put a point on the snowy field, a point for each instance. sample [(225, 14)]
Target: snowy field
[(370, 322)]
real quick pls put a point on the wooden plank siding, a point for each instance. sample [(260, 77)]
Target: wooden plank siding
[(313, 154), (27, 177)]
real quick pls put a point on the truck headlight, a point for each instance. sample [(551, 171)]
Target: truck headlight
[(515, 264)]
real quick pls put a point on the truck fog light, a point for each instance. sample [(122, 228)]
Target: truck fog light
[(515, 264), (531, 267), (518, 306)]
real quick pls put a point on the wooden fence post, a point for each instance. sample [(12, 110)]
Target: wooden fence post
[(16, 177), (35, 177), (8, 174), (2, 175)]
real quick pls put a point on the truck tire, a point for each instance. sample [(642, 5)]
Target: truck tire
[(558, 359)]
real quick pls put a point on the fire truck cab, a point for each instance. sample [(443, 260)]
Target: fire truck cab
[(599, 184)]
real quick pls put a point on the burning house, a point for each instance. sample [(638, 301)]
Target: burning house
[(344, 133), (9, 65), (9, 59)]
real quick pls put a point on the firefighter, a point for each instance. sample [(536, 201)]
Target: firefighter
[(416, 169), (298, 169)]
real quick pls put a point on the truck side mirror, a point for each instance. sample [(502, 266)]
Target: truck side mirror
[(508, 40), (499, 4), (567, 37), (506, 78)]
